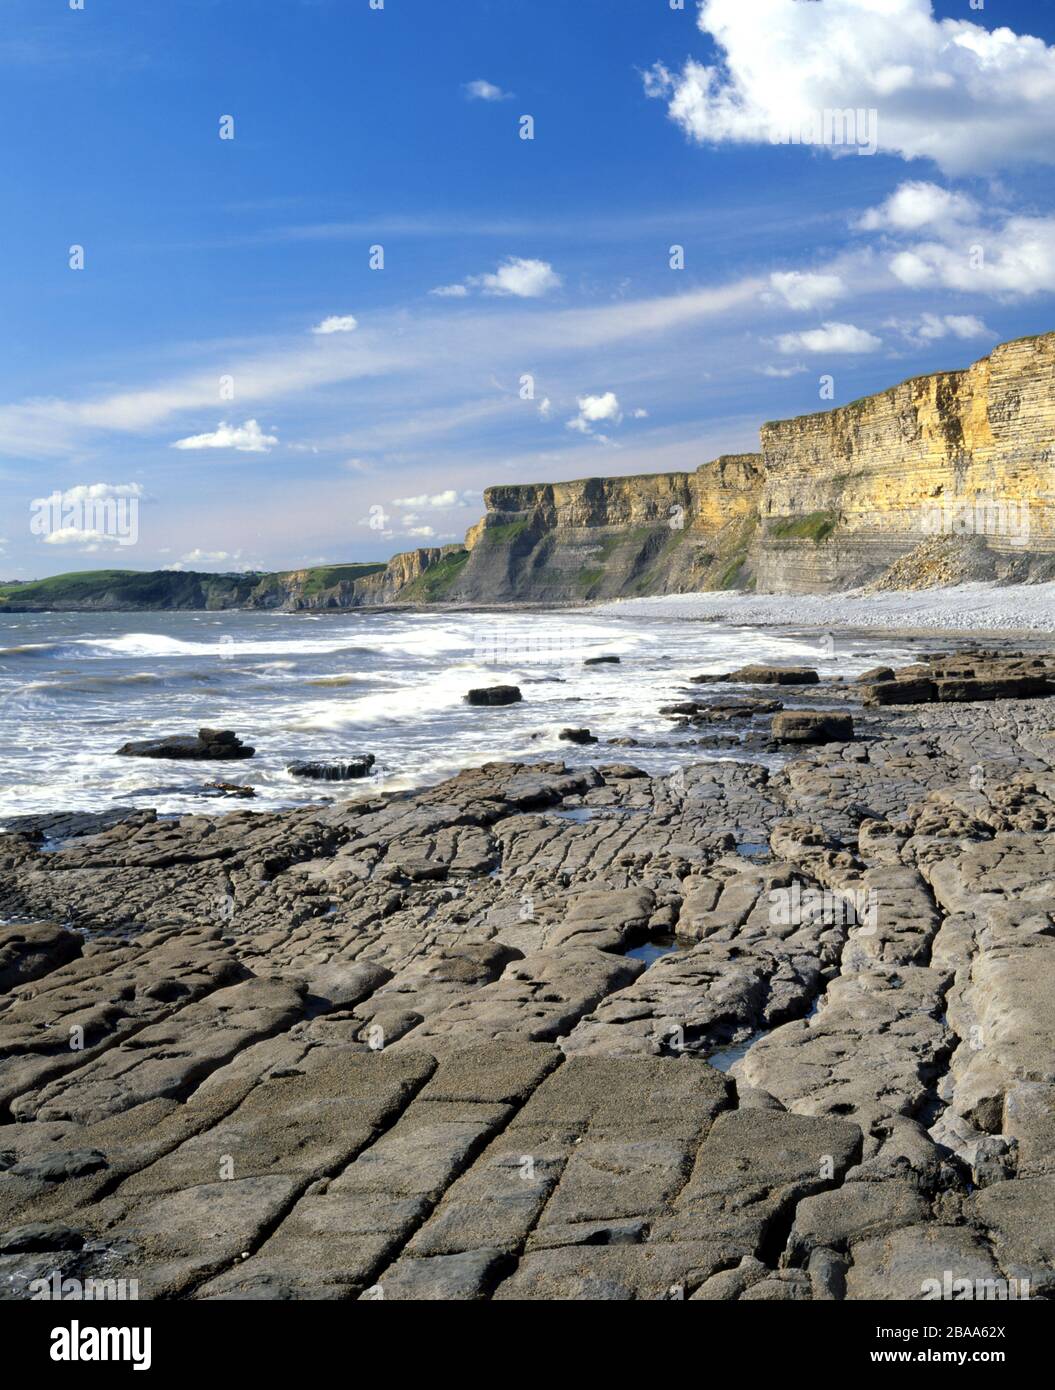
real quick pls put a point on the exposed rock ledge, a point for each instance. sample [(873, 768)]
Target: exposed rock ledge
[(400, 1046)]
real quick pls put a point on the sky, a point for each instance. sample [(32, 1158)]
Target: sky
[(295, 280)]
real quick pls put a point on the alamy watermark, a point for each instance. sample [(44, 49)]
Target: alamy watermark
[(856, 127), (949, 1287), (91, 514), (73, 1290), (977, 516)]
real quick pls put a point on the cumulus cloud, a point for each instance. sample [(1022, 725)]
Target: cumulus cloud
[(481, 90), (436, 501), (831, 338), (211, 557), (803, 290), (596, 410), (964, 249), (929, 327), (96, 492), (515, 278), (1014, 260), (916, 204), (74, 535), (247, 439), (524, 279), (78, 515), (337, 323), (969, 98)]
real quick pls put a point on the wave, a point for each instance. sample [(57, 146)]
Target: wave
[(152, 644), (88, 683), (32, 649)]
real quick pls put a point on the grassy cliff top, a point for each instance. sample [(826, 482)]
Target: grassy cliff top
[(157, 586)]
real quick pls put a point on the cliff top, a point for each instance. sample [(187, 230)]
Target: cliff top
[(910, 380)]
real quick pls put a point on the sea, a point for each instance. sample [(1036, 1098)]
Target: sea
[(74, 687)]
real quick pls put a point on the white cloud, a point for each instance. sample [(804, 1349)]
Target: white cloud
[(803, 290), (337, 323), (83, 504), (74, 535), (524, 279), (970, 98), (545, 407), (1013, 260), (481, 90), (97, 492), (596, 410), (437, 501), (782, 372), (515, 278), (247, 439), (830, 337), (929, 327), (438, 355), (422, 532), (916, 204), (212, 557), (640, 414)]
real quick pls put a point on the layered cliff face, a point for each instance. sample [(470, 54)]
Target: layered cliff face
[(613, 537), (939, 479), (966, 454)]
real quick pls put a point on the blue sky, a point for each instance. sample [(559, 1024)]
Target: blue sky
[(184, 365)]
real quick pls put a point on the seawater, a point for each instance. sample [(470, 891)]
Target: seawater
[(74, 687)]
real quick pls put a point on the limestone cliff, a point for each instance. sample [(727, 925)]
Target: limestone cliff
[(612, 537), (942, 478), (968, 453), (885, 486)]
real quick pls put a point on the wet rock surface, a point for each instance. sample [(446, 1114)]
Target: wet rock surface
[(494, 695), (339, 770), (410, 1046), (208, 745)]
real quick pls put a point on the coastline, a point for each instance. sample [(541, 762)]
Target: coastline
[(960, 610)]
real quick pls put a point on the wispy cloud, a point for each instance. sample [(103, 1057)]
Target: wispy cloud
[(481, 90), (337, 323), (246, 439)]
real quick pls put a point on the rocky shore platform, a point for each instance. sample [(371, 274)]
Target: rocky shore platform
[(744, 1032)]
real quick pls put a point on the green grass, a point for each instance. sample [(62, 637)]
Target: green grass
[(588, 579), (128, 586), (171, 588), (728, 577), (504, 533), (637, 537), (322, 577), (816, 527), (436, 582)]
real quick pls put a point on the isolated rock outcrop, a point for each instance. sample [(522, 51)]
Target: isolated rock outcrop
[(494, 695), (340, 770), (209, 745), (803, 726)]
